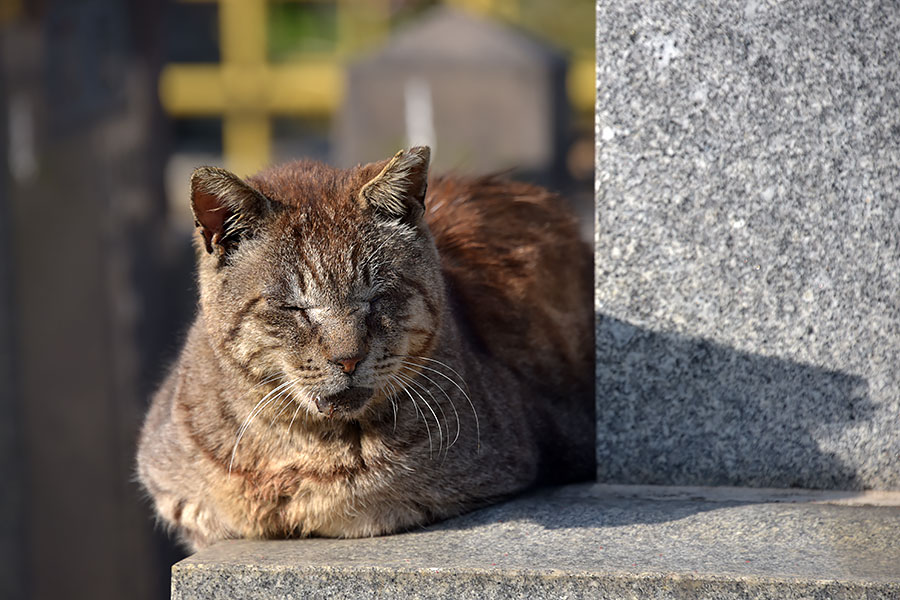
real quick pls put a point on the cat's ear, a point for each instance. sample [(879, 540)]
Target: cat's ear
[(224, 206), (398, 191)]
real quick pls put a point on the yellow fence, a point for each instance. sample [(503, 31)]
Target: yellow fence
[(245, 90)]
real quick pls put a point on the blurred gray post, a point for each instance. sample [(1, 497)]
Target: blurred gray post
[(12, 540), (81, 214)]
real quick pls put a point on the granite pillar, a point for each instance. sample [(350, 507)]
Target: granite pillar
[(748, 243)]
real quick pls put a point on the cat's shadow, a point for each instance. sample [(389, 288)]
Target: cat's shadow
[(581, 508), (673, 410)]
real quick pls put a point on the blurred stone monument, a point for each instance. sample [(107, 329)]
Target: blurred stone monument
[(484, 96)]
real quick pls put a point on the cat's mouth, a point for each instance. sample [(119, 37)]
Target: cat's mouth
[(345, 402)]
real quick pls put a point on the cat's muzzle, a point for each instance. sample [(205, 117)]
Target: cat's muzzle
[(347, 402)]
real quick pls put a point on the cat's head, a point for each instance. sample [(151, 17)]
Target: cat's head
[(319, 280)]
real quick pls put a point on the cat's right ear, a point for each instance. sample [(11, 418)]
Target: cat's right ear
[(225, 207), (398, 191)]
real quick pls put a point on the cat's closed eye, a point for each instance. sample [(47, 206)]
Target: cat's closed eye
[(297, 310)]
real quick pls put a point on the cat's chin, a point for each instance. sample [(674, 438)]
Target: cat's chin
[(346, 403)]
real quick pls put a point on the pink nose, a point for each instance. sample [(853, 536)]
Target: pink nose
[(348, 365)]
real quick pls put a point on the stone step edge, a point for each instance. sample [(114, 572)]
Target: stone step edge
[(552, 550), (739, 494)]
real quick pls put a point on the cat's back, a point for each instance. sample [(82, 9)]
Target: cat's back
[(521, 275)]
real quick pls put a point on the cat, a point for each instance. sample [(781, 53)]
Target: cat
[(374, 351)]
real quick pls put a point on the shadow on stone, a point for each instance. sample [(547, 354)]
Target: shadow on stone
[(673, 410), (577, 507), (678, 411)]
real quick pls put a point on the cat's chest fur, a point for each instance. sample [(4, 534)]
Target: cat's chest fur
[(313, 488)]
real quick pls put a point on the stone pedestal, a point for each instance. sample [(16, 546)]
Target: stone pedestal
[(581, 542)]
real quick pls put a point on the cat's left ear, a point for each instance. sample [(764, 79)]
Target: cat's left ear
[(225, 207), (398, 191)]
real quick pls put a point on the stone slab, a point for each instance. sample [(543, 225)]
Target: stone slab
[(748, 243), (584, 541)]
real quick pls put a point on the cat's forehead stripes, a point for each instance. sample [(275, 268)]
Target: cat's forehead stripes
[(317, 270), (328, 263), (308, 182)]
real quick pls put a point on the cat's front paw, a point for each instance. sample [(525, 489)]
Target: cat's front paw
[(195, 523)]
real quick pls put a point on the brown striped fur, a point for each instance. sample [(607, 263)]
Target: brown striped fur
[(370, 357)]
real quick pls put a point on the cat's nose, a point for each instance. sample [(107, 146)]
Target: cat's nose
[(347, 364)]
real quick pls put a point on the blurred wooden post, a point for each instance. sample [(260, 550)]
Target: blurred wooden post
[(361, 23), (246, 130), (246, 90)]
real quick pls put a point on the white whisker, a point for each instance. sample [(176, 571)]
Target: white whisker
[(267, 380), (446, 395), (433, 414), (411, 380), (443, 364), (285, 402), (418, 412), (391, 399), (464, 393), (260, 406), (294, 416)]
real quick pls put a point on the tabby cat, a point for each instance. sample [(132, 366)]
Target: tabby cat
[(369, 356)]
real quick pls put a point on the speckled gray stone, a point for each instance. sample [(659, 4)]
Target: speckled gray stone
[(748, 243), (579, 542)]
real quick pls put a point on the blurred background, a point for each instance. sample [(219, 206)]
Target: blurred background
[(105, 108)]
